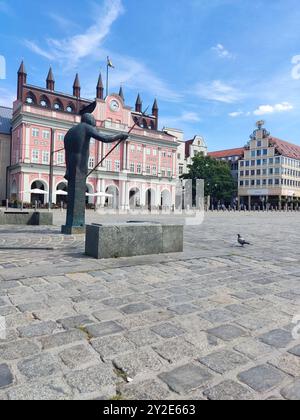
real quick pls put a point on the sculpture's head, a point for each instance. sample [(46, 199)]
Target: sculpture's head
[(88, 119)]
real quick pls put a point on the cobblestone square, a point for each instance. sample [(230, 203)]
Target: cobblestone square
[(217, 321)]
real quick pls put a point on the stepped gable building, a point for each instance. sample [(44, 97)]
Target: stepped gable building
[(269, 173), (141, 172)]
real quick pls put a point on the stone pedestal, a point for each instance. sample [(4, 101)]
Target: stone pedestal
[(132, 239), (73, 230), (26, 218)]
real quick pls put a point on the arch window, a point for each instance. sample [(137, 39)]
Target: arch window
[(44, 102)]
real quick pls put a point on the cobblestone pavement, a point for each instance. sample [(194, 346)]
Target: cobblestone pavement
[(215, 322)]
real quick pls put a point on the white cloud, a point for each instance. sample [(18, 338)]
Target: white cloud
[(191, 117), (186, 117), (271, 109), (218, 91), (222, 51), (236, 114), (73, 49), (62, 21)]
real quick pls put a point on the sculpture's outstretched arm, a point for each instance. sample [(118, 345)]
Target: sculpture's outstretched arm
[(93, 132)]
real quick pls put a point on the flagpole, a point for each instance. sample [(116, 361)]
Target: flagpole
[(107, 70)]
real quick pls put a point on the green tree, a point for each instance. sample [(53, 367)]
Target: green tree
[(219, 182)]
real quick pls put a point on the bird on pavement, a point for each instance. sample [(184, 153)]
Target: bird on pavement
[(242, 241)]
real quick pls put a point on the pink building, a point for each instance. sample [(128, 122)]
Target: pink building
[(141, 172)]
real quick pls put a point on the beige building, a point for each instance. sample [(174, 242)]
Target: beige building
[(186, 150), (269, 173), (5, 142)]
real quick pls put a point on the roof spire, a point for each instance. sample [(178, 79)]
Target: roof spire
[(76, 86), (100, 88), (50, 80), (138, 104), (121, 93)]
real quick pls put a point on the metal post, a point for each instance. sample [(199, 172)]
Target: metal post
[(51, 173)]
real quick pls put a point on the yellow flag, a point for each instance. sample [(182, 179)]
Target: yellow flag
[(109, 63)]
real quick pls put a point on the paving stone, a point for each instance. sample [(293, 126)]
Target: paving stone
[(168, 330), (224, 361), (139, 362), (217, 316), (75, 322), (63, 339), (228, 391), (18, 349), (93, 379), (277, 338), (135, 308), (292, 392), (108, 347), (254, 322), (44, 365), (45, 391), (186, 378), (31, 307), (79, 355), (295, 351), (149, 390), (184, 309), (288, 363), (107, 315), (228, 332), (253, 349), (6, 376), (38, 329), (239, 309), (104, 329), (143, 337), (243, 295), (176, 349), (262, 378)]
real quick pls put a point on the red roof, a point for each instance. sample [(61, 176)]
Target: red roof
[(227, 153), (286, 149)]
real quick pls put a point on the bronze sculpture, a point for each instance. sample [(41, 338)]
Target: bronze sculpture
[(77, 146)]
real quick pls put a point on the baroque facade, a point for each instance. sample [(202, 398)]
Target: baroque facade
[(141, 172)]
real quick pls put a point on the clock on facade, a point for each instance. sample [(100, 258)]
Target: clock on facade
[(114, 105)]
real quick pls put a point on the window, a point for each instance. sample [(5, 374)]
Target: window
[(277, 160), (70, 109), (242, 173), (247, 173), (253, 163), (46, 135), (277, 181), (264, 172), (139, 168), (247, 163), (259, 144), (265, 152), (247, 183), (271, 171), (60, 158), (35, 132), (45, 157), (154, 152), (258, 182), (148, 152), (241, 183), (264, 182), (132, 168), (179, 156), (271, 161), (277, 171), (181, 170), (29, 100), (258, 152), (139, 149), (108, 165), (148, 170), (154, 170), (163, 172), (252, 183), (258, 172), (60, 137), (91, 163), (265, 161), (242, 164), (270, 182), (169, 173), (117, 166), (35, 156), (258, 163), (57, 106), (253, 153), (132, 148)]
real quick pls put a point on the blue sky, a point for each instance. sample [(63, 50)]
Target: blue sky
[(215, 66)]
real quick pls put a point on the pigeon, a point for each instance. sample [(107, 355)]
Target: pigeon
[(242, 241)]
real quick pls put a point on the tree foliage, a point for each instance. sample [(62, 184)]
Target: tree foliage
[(219, 182)]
